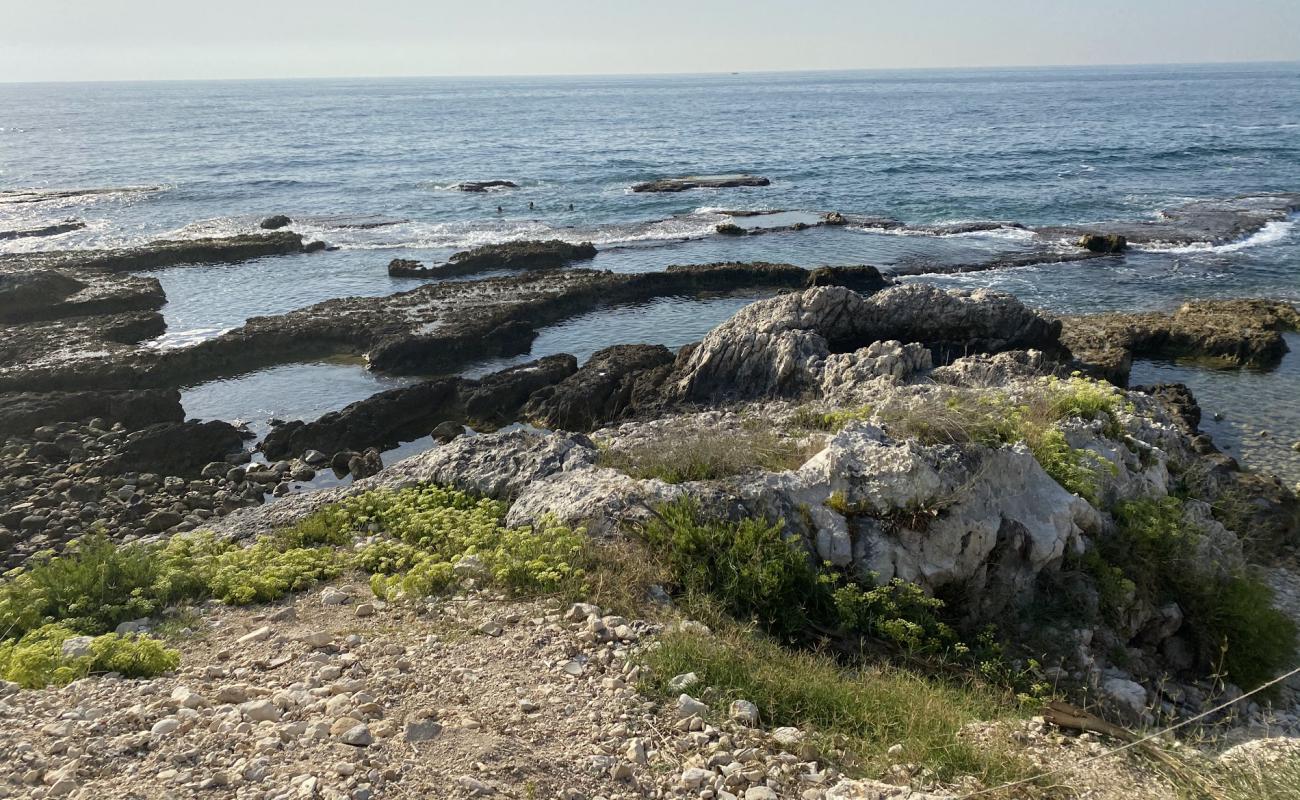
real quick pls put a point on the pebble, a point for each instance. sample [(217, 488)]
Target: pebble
[(688, 706), (261, 634)]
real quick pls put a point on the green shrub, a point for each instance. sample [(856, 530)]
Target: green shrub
[(36, 659), (90, 589), (264, 572), (749, 566), (757, 573), (1153, 555)]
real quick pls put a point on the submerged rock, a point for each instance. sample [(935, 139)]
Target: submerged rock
[(171, 253), (274, 223), (1103, 243), (483, 186), (53, 229), (700, 182)]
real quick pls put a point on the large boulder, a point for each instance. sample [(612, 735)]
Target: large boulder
[(781, 346), (864, 280), (498, 397), (602, 390), (525, 255), (380, 420)]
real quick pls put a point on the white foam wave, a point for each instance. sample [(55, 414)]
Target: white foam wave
[(1272, 232)]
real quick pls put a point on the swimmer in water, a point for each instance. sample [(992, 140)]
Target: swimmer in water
[(570, 206), (498, 209), (530, 205)]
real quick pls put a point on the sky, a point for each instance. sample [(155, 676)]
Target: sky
[(62, 40)]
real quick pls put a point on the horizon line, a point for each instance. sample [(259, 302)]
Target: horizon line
[(488, 76)]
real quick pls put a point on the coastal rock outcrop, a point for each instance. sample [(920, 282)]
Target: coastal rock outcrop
[(1242, 332), (612, 380), (780, 346), (171, 253), (525, 255), (700, 182), (275, 222), (53, 229)]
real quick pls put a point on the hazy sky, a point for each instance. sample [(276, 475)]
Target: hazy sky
[(150, 39)]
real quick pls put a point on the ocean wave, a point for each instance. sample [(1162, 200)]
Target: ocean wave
[(74, 196), (1272, 232), (470, 234)]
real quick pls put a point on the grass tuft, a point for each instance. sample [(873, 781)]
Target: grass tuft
[(702, 455)]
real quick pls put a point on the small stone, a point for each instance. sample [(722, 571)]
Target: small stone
[(260, 711), (164, 726), (760, 793), (333, 597), (260, 635), (491, 629), (422, 730), (688, 706), (681, 683), (358, 736), (787, 736), (318, 639), (366, 610), (744, 712), (529, 707), (694, 777), (475, 787), (62, 788)]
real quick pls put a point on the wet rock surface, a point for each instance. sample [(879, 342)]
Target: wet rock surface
[(1210, 221), (527, 255), (21, 412), (53, 229), (170, 253), (1240, 332), (700, 182), (613, 380), (483, 186)]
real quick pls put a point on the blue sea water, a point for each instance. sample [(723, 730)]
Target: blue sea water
[(1036, 146)]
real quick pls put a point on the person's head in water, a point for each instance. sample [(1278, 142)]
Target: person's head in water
[(530, 205), (570, 206), (498, 209)]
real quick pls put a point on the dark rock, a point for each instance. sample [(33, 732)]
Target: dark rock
[(276, 222), (45, 230), (499, 396), (406, 268), (365, 465), (1241, 332), (864, 280), (165, 253), (483, 186), (160, 521), (406, 413), (179, 448), (1103, 243), (730, 229), (446, 431), (339, 463), (599, 392), (381, 420), (700, 182), (315, 458), (526, 255), (314, 246), (834, 218), (20, 412), (1180, 403)]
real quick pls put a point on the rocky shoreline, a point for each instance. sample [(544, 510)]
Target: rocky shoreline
[(895, 433)]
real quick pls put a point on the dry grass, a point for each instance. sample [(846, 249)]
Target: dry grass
[(707, 454)]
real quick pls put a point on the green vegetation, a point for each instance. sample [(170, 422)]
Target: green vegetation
[(1153, 557), (961, 416), (806, 418), (862, 710), (756, 573), (36, 659), (708, 454), (420, 535)]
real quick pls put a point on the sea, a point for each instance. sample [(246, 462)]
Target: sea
[(370, 166)]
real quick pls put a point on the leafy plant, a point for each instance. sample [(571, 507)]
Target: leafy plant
[(707, 454)]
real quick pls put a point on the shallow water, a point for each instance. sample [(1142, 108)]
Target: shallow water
[(1259, 414)]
